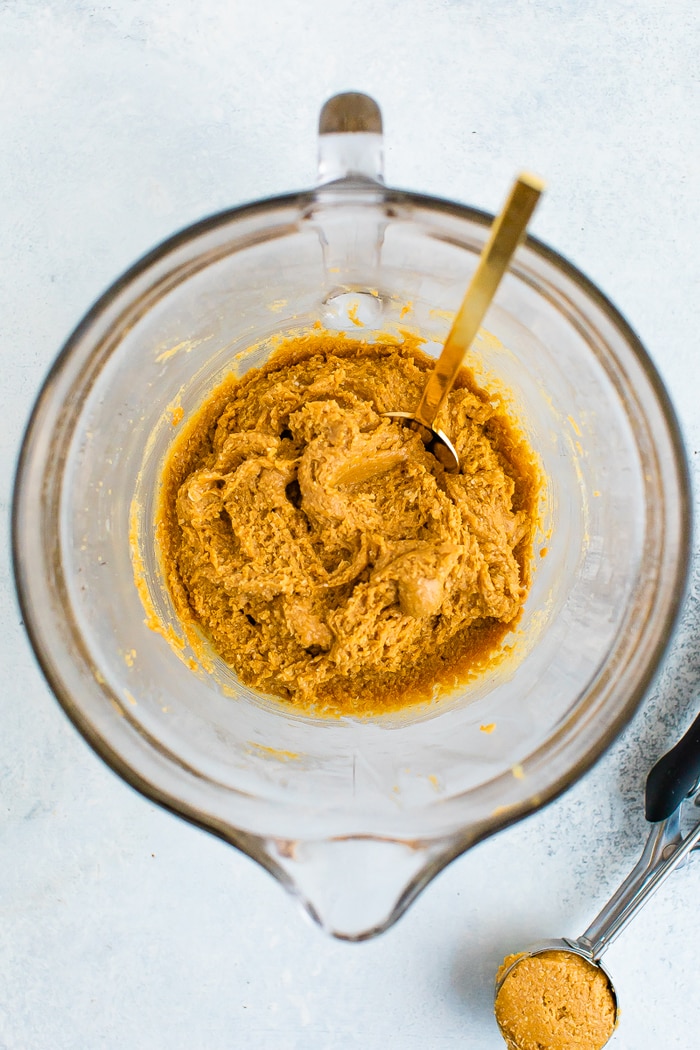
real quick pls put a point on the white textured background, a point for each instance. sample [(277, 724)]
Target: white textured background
[(121, 927)]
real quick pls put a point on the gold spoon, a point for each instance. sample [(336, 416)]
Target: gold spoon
[(506, 233)]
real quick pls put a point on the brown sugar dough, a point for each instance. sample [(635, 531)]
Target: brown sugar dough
[(555, 1000), (325, 553)]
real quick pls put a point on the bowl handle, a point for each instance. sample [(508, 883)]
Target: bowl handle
[(350, 141)]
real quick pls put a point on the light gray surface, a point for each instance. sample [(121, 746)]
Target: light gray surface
[(121, 927)]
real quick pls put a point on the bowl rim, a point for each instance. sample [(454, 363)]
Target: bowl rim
[(361, 192)]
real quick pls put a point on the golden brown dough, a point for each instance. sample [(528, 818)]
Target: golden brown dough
[(324, 551), (554, 1001)]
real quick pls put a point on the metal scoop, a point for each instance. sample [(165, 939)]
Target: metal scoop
[(672, 803), (506, 233)]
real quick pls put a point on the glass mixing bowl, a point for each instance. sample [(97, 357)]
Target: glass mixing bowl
[(353, 817)]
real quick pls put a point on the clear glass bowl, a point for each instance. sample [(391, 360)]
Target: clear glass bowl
[(354, 817)]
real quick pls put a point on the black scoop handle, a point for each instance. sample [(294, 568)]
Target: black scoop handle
[(674, 776)]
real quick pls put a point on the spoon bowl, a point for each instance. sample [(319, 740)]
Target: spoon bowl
[(566, 998), (434, 439), (557, 944)]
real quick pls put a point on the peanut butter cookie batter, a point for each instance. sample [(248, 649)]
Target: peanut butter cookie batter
[(325, 553), (554, 1001)]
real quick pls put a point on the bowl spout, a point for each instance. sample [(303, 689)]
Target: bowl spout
[(355, 887)]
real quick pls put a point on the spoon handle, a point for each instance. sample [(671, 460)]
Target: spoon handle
[(507, 231), (674, 776), (671, 780), (664, 851)]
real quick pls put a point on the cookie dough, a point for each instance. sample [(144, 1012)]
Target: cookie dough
[(554, 1001), (324, 551)]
